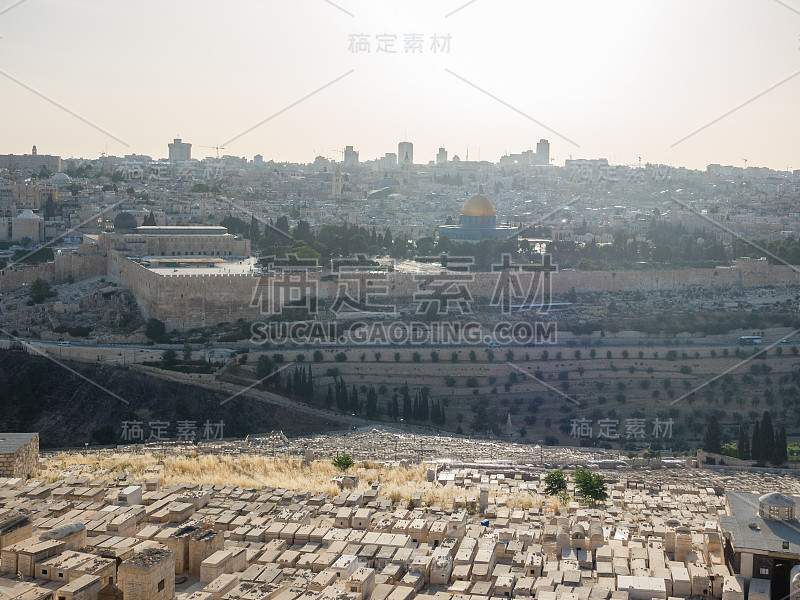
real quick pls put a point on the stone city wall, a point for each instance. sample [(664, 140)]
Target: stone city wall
[(709, 458), (188, 301), (87, 261)]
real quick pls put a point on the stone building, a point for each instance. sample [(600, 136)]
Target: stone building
[(28, 225), (19, 454), (14, 528), (30, 163), (762, 538), (148, 575), (192, 241)]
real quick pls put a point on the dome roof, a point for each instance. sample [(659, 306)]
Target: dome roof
[(61, 177), (28, 214), (478, 206), (125, 221), (776, 499)]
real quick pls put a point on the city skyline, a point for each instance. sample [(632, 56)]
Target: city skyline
[(453, 157), (672, 82)]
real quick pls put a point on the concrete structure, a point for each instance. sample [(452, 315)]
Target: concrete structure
[(14, 528), (179, 151), (542, 152), (762, 538), (148, 575), (130, 496), (350, 157), (27, 225), (85, 587), (405, 154), (30, 163)]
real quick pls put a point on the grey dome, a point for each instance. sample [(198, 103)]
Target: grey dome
[(125, 221), (776, 499)]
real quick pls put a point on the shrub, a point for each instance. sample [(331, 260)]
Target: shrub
[(343, 462)]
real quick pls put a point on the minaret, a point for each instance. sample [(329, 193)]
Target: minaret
[(338, 186)]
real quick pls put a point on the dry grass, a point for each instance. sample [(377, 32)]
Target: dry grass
[(250, 471), (243, 470)]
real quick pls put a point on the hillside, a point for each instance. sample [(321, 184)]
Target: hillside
[(38, 395)]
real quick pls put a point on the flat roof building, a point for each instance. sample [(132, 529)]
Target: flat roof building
[(762, 538)]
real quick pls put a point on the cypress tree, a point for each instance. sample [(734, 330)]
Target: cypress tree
[(310, 384), (712, 442), (744, 444), (255, 232), (297, 382), (372, 403), (289, 386), (781, 453), (767, 437), (341, 395), (755, 442), (407, 412)]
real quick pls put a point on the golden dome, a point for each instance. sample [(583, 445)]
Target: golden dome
[(478, 206)]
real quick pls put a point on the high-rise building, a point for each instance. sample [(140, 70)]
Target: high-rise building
[(389, 161), (179, 151), (441, 158), (405, 154), (350, 157), (258, 160), (543, 153)]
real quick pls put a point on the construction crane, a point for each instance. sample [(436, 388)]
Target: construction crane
[(217, 148)]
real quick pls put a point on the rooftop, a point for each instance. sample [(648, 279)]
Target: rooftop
[(148, 557), (181, 230), (11, 442), (748, 530)]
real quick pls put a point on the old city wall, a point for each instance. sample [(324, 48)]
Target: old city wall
[(143, 283), (200, 301), (79, 264), (187, 301)]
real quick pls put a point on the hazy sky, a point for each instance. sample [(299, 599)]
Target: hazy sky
[(618, 79)]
